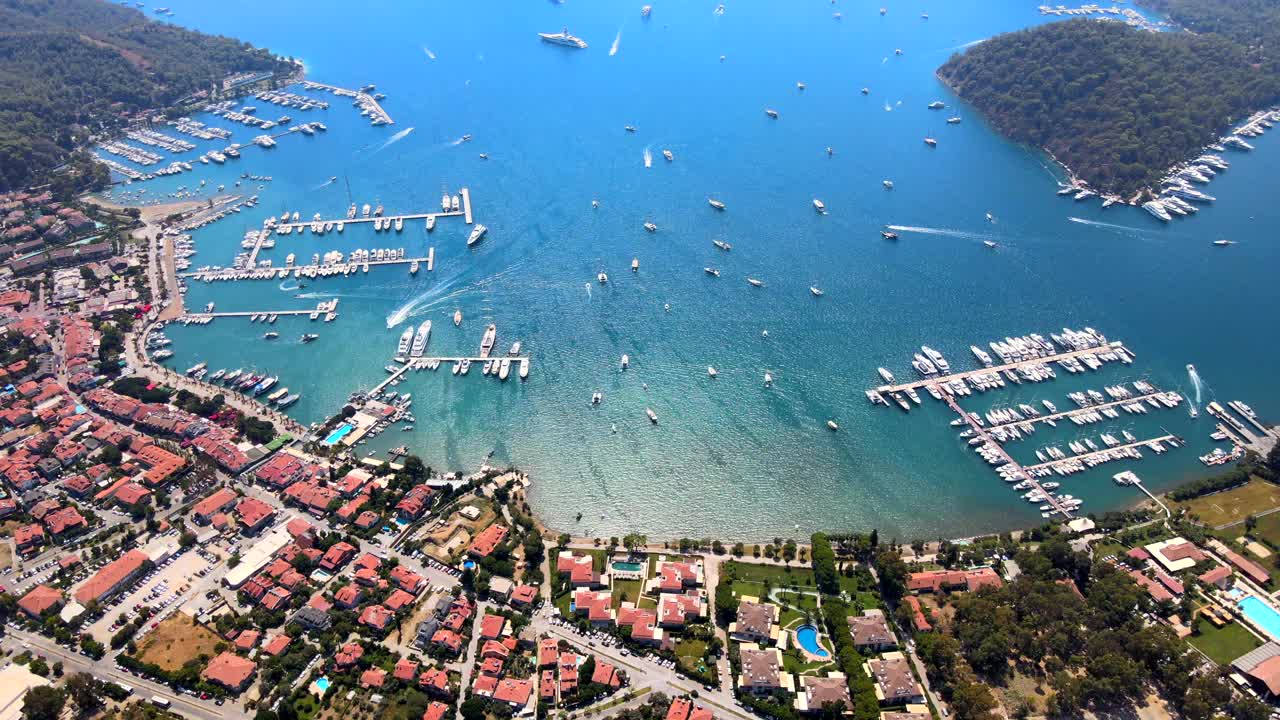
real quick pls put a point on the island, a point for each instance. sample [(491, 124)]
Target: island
[(1119, 106)]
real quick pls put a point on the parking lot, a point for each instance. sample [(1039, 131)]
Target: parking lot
[(164, 588)]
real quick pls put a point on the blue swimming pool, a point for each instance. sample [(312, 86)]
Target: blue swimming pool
[(469, 564), (807, 636), (1261, 614), (323, 684), (631, 567), (338, 434)]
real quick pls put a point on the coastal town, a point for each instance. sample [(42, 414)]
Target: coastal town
[(177, 545), (210, 559)]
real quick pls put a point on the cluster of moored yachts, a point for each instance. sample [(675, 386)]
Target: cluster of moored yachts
[(1026, 358)]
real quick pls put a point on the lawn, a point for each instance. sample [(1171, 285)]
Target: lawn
[(1234, 505), (175, 641), (1224, 644), (1268, 529), (631, 588), (777, 576), (1107, 548), (689, 653)]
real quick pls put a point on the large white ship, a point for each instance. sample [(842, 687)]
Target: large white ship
[(486, 344), (406, 338), (420, 339), (564, 38)]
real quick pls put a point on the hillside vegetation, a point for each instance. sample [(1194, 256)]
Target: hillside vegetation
[(72, 67), (1116, 105)]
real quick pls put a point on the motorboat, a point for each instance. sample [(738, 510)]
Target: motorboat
[(564, 38), (477, 234)]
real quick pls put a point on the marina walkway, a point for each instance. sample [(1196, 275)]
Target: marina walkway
[(464, 212), (1081, 410), (991, 443), (366, 100), (1098, 453), (943, 379), (274, 273)]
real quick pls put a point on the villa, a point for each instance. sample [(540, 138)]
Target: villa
[(895, 685), (756, 623), (933, 581), (230, 671), (684, 709), (910, 712), (871, 632), (580, 569), (763, 673), (675, 577), (487, 541), (817, 693), (1262, 669), (674, 610)]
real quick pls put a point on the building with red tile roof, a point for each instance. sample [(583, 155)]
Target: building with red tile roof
[(161, 464), (1220, 577), (28, 538), (311, 496), (492, 626), (523, 595), (547, 686), (674, 610), (435, 681), (494, 649), (580, 569), (938, 580), (596, 605), (373, 678), (277, 644), (348, 596), (230, 671), (398, 600), (514, 692), (415, 502), (1153, 588), (405, 670), (1247, 567), (606, 674), (40, 599), (131, 494), (349, 655), (437, 711), (247, 640), (447, 639), (488, 540), (684, 709), (675, 577), (918, 619), (65, 521), (406, 579), (253, 514), (219, 501), (339, 554), (113, 577), (367, 519)]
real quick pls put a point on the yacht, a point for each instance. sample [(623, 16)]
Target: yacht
[(271, 336), (712, 372), (596, 397), (819, 206), (629, 128), (477, 234), (667, 154), (653, 417), (715, 203), (953, 121), (431, 223), (457, 318), (524, 368), (888, 235), (644, 11), (406, 339), (832, 425), (815, 291), (420, 339), (466, 366), (635, 264), (399, 224), (504, 368), (454, 204), (288, 400), (711, 271), (937, 105), (722, 245), (650, 227), (309, 337), (930, 142), (1157, 209), (1223, 243), (768, 379), (602, 278), (989, 243), (888, 376), (444, 203), (486, 343), (771, 113), (626, 362), (564, 38), (264, 385), (754, 282), (888, 184)]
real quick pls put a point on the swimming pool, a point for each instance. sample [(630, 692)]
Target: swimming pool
[(469, 564), (323, 684), (807, 636), (633, 567), (338, 434), (1261, 614)]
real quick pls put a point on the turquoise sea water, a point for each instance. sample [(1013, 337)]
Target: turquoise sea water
[(730, 459)]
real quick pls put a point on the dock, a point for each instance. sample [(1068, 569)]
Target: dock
[(1239, 407), (996, 447), (1114, 346), (464, 212), (274, 273), (394, 376), (431, 258), (1067, 414), (278, 313), (1099, 453), (365, 100), (466, 204)]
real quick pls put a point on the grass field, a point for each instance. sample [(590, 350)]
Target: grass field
[(631, 588), (1224, 644), (1236, 504), (175, 641), (779, 576)]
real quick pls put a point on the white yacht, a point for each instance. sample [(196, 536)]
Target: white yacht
[(715, 203), (712, 372), (602, 278), (819, 206), (564, 38), (815, 291), (420, 339), (431, 223), (477, 234), (406, 339)]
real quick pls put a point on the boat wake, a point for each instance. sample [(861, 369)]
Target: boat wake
[(648, 157), (394, 139), (1109, 226), (326, 183), (445, 292), (427, 50), (588, 285), (939, 231), (613, 49), (282, 287), (1195, 382)]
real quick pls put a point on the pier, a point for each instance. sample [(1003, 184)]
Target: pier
[(1081, 458), (994, 446), (365, 100), (322, 270), (1066, 414), (465, 213), (1248, 417), (1114, 346)]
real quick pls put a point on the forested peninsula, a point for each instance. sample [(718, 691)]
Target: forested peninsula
[(1119, 106), (71, 68)]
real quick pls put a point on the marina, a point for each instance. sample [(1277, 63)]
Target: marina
[(367, 103), (942, 380)]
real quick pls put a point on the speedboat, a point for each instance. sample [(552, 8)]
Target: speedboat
[(771, 113), (431, 223), (602, 278), (653, 417), (888, 235), (626, 362), (667, 154), (930, 142), (888, 184), (819, 206), (816, 292), (650, 227), (832, 425), (715, 203), (477, 234), (1223, 243), (457, 318), (754, 282), (711, 372), (596, 397), (711, 271), (722, 245), (564, 38)]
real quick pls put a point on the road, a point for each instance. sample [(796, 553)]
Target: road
[(105, 669)]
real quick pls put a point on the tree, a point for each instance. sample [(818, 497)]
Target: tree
[(973, 701), (633, 541), (824, 565), (85, 691), (43, 702)]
